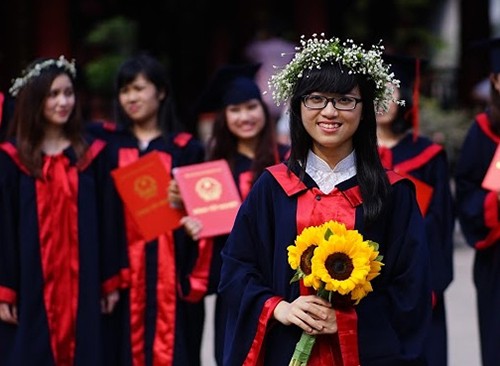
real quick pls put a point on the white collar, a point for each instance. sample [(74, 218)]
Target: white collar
[(327, 178)]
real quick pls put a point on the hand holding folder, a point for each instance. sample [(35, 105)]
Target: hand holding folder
[(210, 194)]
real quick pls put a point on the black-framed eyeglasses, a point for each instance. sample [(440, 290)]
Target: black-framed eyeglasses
[(343, 103)]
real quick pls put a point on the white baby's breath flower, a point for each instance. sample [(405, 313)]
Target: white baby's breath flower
[(316, 50), (36, 69)]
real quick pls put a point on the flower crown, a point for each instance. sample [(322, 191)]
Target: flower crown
[(315, 51), (36, 69)]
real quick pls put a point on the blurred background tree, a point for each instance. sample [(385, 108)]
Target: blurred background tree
[(194, 38)]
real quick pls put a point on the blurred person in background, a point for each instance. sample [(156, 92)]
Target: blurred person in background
[(271, 50), (59, 252), (479, 209), (162, 317), (417, 157), (243, 135)]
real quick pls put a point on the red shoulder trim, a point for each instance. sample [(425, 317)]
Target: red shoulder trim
[(419, 160), (182, 139), (11, 150), (127, 156), (94, 149), (484, 123), (290, 183), (394, 177)]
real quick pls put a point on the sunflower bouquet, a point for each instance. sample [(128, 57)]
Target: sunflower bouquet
[(338, 263)]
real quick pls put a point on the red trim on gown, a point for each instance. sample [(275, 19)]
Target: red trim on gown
[(163, 347)]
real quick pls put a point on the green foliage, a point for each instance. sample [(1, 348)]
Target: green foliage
[(117, 35), (114, 39), (100, 73)]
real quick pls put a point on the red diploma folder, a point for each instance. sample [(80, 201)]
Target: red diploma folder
[(491, 180), (142, 185), (210, 194)]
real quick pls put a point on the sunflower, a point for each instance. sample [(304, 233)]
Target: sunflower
[(341, 264), (300, 254), (338, 263), (344, 262)]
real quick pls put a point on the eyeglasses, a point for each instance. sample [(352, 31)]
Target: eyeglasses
[(343, 103)]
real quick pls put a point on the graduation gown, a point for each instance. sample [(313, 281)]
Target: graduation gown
[(243, 177), (393, 320), (56, 260), (427, 165), (479, 217), (163, 316)]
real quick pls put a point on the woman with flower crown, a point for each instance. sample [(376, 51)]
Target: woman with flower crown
[(333, 177), (59, 267), (162, 316)]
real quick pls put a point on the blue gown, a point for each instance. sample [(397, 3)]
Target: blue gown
[(393, 320), (427, 161), (479, 217), (57, 257)]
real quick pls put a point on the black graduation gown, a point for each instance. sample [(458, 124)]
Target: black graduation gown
[(56, 258), (163, 316), (479, 217), (427, 162), (393, 320)]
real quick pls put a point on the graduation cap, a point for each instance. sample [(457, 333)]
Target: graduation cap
[(231, 84), (407, 70), (493, 46)]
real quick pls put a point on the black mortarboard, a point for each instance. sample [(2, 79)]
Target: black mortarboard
[(407, 70), (493, 46), (231, 84)]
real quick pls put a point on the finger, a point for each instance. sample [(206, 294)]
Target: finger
[(6, 314), (14, 313)]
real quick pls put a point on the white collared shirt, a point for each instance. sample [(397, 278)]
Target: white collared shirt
[(327, 178)]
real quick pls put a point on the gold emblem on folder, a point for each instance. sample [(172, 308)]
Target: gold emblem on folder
[(208, 189), (145, 186)]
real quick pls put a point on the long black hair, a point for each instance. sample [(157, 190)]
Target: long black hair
[(333, 78)]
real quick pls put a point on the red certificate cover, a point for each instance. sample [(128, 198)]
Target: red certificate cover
[(210, 194), (142, 185), (491, 180)]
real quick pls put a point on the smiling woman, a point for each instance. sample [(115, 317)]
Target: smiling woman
[(333, 173), (54, 180), (162, 316)]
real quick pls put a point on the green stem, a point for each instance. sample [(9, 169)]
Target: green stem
[(303, 350)]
